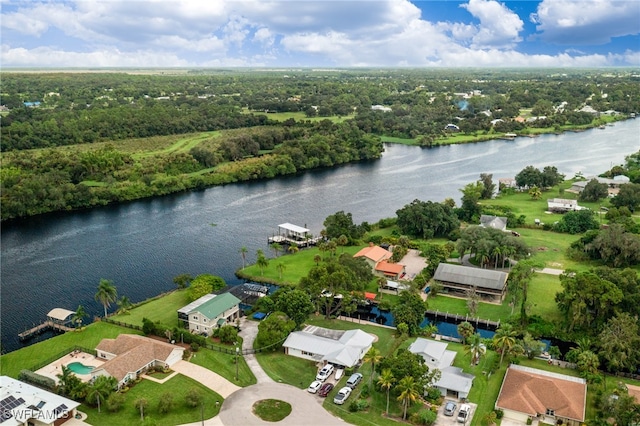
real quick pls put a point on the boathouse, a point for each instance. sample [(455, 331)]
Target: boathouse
[(456, 280), (289, 234)]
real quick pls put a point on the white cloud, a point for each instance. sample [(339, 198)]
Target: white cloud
[(499, 26), (80, 33), (586, 22)]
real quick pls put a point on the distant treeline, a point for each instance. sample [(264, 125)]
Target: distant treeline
[(35, 182)]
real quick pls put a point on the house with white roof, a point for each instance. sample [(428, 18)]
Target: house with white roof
[(338, 347), (453, 381), (22, 404)]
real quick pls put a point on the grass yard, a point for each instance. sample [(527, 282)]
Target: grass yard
[(541, 296), (287, 369), (454, 305), (89, 337), (298, 116), (181, 413), (295, 265), (549, 248), (162, 309), (224, 365)]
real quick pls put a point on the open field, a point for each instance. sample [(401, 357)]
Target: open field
[(181, 413), (162, 309), (298, 116)]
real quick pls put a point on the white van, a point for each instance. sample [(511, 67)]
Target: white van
[(463, 414)]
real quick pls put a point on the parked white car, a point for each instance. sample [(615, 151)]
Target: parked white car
[(325, 372), (463, 414), (314, 386), (342, 395)]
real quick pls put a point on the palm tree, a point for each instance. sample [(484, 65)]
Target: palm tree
[(465, 330), (65, 378), (280, 267), (276, 248), (373, 356), (243, 253), (497, 252), (386, 381), (317, 258), (408, 393), (100, 389), (124, 304), (293, 249), (476, 348), (430, 330), (343, 241), (262, 262), (535, 192), (489, 418), (106, 294), (141, 404), (504, 339), (78, 316)]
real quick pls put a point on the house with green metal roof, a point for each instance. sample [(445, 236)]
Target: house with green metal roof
[(214, 313)]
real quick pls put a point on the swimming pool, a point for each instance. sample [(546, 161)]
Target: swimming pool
[(79, 368)]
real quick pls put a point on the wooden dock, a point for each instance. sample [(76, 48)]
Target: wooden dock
[(282, 240), (463, 318), (41, 328)]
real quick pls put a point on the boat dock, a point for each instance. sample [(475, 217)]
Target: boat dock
[(463, 318), (289, 234), (41, 328)]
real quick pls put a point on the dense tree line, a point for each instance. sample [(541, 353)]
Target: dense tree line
[(35, 182)]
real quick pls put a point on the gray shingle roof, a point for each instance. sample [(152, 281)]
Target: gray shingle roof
[(481, 278)]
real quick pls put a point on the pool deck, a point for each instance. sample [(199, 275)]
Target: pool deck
[(52, 370)]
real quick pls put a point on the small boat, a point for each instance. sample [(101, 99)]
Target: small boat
[(339, 373)]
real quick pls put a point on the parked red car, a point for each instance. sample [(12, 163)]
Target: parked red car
[(325, 389)]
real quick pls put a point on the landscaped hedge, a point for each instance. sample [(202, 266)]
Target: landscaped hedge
[(37, 380)]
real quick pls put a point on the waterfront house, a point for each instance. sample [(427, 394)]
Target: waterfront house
[(323, 345), (377, 259), (212, 313), (22, 404), (457, 279), (453, 381), (550, 398), (613, 185), (129, 355), (495, 222), (562, 205)]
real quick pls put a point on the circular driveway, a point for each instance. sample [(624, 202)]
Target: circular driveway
[(306, 409)]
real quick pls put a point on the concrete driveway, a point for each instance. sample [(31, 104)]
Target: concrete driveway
[(237, 409), (443, 420)]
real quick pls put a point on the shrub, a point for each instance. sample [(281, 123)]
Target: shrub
[(194, 397), (424, 417), (36, 379), (165, 403), (115, 401), (499, 414), (358, 405), (364, 393), (195, 347), (433, 394), (186, 354), (228, 334)]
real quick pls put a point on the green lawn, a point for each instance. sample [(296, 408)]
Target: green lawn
[(89, 337), (298, 116), (162, 309), (224, 365), (541, 295), (181, 413), (296, 265), (453, 305)]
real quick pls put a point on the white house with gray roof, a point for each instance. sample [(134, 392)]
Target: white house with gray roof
[(338, 347), (453, 381), (457, 279)]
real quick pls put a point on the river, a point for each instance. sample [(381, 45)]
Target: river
[(57, 260)]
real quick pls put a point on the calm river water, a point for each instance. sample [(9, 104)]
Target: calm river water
[(57, 260)]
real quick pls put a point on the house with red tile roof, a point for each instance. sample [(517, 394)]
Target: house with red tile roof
[(550, 398), (130, 355), (377, 258)]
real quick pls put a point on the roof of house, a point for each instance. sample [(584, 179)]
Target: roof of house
[(196, 303), (481, 278), (434, 353), (214, 307), (335, 346), (375, 253), (532, 391), (389, 268), (132, 352), (497, 222), (19, 400), (453, 378)]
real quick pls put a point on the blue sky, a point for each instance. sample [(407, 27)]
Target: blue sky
[(314, 33)]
